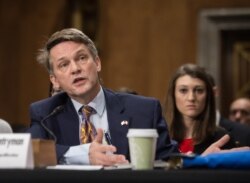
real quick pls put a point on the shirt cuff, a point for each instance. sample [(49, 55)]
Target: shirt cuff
[(77, 155)]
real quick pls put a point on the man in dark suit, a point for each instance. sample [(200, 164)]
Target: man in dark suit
[(239, 132), (74, 65)]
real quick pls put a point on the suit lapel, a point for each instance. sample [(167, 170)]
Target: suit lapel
[(118, 130), (69, 124)]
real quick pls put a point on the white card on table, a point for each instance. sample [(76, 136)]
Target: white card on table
[(16, 151)]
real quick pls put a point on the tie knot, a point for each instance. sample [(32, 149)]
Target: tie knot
[(87, 111)]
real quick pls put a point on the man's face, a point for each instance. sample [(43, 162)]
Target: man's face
[(75, 70), (240, 111)]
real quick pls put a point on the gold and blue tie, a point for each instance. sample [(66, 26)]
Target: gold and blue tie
[(88, 130)]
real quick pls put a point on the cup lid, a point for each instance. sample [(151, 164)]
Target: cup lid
[(132, 132)]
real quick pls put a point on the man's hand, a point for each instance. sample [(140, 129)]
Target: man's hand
[(100, 154), (216, 146)]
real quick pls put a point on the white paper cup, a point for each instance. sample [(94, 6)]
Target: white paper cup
[(142, 146)]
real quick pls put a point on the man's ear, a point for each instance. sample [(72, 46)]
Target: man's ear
[(54, 82), (98, 64)]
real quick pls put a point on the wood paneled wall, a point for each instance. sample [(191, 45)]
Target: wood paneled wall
[(24, 28), (141, 43)]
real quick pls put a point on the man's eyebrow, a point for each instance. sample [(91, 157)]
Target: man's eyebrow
[(77, 52), (81, 50), (61, 59)]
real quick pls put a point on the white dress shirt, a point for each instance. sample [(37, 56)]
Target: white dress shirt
[(79, 154)]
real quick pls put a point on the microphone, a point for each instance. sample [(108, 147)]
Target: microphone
[(5, 127), (55, 111)]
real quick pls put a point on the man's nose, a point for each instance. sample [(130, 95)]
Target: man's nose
[(74, 67), (237, 115)]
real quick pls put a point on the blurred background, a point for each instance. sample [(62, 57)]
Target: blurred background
[(141, 43)]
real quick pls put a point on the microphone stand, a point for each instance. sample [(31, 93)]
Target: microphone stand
[(55, 111)]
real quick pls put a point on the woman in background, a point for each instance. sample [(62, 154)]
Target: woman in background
[(191, 112)]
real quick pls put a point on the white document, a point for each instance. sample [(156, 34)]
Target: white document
[(119, 166), (16, 151), (76, 167)]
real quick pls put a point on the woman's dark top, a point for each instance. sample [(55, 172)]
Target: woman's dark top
[(220, 132)]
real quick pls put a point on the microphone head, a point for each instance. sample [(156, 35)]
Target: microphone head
[(56, 110), (5, 127)]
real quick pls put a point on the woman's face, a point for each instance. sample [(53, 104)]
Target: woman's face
[(190, 96)]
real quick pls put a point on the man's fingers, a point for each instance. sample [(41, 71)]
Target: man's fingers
[(98, 147), (99, 136), (101, 154), (107, 160)]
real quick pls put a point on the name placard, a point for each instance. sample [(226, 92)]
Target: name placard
[(16, 151)]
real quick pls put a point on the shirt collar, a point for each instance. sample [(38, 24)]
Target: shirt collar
[(98, 103)]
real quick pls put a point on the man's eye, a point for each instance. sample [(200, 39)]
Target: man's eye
[(62, 65), (82, 57)]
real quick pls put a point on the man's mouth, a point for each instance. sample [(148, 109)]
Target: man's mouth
[(78, 80)]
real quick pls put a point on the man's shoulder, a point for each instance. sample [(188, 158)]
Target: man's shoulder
[(125, 97), (240, 132), (51, 102), (132, 103), (227, 124)]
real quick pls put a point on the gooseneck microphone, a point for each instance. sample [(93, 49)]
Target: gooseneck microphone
[(55, 111)]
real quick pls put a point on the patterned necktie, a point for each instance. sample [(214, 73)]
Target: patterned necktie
[(88, 130)]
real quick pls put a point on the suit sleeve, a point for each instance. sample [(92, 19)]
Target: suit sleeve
[(37, 131), (165, 145)]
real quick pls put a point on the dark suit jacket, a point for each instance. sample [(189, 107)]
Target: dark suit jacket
[(140, 112), (240, 132)]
